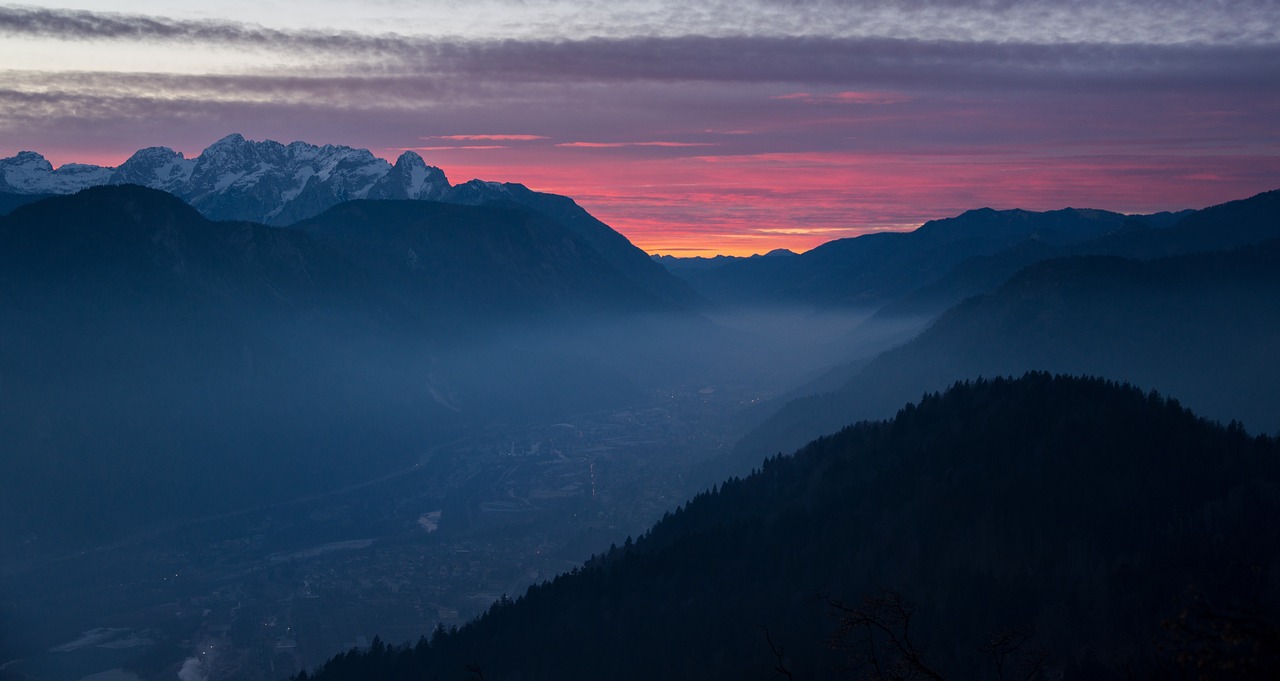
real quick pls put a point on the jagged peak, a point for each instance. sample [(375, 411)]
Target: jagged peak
[(484, 184), (150, 153), (234, 138), (410, 158)]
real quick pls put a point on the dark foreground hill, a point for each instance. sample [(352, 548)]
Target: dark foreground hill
[(1077, 514)]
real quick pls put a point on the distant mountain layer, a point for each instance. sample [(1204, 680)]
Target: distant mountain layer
[(922, 272), (1073, 517), (1202, 327), (280, 184), (872, 270), (1221, 227), (238, 179), (679, 265)]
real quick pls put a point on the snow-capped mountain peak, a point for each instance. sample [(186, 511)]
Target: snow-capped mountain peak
[(241, 179), (31, 173), (157, 167), (476, 192), (28, 161), (411, 178)]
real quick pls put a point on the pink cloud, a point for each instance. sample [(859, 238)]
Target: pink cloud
[(490, 138), (618, 145), (451, 148), (849, 97)]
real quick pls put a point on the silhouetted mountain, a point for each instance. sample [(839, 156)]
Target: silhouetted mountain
[(978, 274), (678, 265), (614, 247), (870, 270), (1222, 227), (499, 261), (129, 240), (1201, 327), (1080, 510)]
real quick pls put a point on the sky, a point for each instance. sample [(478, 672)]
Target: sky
[(694, 128)]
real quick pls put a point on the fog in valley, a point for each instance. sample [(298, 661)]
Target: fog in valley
[(232, 451), (248, 501)]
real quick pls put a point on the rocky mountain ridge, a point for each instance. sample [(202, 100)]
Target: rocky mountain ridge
[(240, 179)]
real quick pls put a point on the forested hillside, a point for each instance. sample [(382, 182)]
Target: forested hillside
[(1098, 529)]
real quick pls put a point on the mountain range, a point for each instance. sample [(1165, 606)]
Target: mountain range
[(239, 179), (280, 184), (873, 269)]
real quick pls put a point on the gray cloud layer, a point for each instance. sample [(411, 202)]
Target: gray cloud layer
[(842, 61)]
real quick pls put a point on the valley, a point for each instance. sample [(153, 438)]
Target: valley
[(266, 592)]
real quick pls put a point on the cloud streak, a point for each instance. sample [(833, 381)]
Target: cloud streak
[(490, 138), (463, 147), (621, 145), (811, 59), (846, 98)]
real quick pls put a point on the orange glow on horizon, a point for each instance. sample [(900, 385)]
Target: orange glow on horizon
[(746, 204), (690, 201)]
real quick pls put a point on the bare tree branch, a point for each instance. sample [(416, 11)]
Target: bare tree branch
[(780, 666), (885, 616)]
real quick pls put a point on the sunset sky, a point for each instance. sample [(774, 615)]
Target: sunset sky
[(693, 128)]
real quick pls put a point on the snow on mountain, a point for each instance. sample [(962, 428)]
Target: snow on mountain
[(476, 192), (31, 173), (239, 179), (156, 167), (411, 178)]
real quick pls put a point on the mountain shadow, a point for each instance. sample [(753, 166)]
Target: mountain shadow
[(158, 365)]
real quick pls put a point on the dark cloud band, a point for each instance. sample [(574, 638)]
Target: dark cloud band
[(839, 61)]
